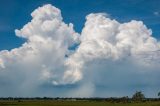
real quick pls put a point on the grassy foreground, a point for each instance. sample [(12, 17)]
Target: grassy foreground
[(73, 103)]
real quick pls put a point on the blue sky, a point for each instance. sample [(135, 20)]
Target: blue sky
[(115, 53), (15, 13)]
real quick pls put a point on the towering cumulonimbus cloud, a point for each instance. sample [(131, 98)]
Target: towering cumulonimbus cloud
[(106, 39), (41, 58), (109, 55)]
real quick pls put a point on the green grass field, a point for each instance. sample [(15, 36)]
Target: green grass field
[(73, 103)]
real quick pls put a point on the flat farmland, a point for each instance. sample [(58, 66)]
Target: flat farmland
[(73, 103)]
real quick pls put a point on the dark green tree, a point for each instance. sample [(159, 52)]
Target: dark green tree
[(138, 96), (159, 94)]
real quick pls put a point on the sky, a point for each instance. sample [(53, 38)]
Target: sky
[(80, 48), (15, 13)]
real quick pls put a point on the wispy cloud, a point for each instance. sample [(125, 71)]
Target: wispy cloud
[(156, 13)]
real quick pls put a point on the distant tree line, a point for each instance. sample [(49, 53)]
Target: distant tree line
[(138, 96)]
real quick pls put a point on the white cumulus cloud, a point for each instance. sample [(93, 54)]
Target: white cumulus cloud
[(110, 57)]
